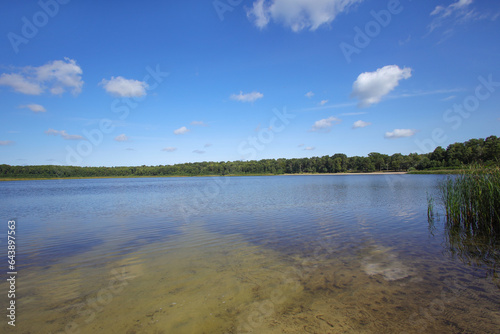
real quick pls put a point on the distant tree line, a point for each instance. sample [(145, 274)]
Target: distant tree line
[(475, 151)]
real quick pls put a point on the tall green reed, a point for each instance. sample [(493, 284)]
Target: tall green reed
[(471, 204), (471, 201)]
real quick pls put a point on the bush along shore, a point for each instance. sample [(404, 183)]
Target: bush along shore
[(445, 161)]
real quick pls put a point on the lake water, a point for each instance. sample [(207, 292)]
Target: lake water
[(276, 254)]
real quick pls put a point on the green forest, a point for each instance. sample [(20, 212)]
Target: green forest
[(484, 152)]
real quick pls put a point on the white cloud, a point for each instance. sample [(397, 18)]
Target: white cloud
[(169, 149), (309, 148), (459, 12), (309, 94), (63, 134), (451, 97), (259, 14), (297, 14), (21, 84), (425, 93), (34, 107), (250, 97), (455, 7), (121, 137), (400, 133), (325, 124), (331, 106), (122, 87), (198, 123), (56, 76), (199, 151), (6, 142), (371, 87), (360, 124), (354, 113), (181, 131), (323, 102)]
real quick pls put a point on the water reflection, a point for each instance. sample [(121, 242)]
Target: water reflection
[(475, 249), (471, 246), (294, 254)]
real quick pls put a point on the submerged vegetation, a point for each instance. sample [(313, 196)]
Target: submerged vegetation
[(471, 203), (483, 151)]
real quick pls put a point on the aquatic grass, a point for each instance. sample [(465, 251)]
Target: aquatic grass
[(430, 208), (471, 201)]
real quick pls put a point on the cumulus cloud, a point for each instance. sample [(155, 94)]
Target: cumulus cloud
[(121, 137), (63, 134), (309, 94), (199, 151), (122, 87), (400, 133), (249, 97), (325, 124), (169, 149), (56, 77), (371, 87), (309, 148), (6, 142), (198, 123), (360, 124), (323, 102), (297, 14), (34, 107), (181, 131)]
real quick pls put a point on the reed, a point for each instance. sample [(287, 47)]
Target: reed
[(471, 201), (430, 208)]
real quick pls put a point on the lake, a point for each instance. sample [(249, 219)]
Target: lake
[(270, 254)]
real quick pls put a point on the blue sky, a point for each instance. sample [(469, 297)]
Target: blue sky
[(113, 83)]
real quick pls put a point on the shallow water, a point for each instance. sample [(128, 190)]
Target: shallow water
[(283, 254)]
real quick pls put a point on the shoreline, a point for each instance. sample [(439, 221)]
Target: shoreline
[(337, 174), (162, 176)]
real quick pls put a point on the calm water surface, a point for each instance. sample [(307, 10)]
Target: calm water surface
[(281, 254)]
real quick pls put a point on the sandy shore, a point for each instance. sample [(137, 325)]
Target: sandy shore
[(156, 176), (374, 173)]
